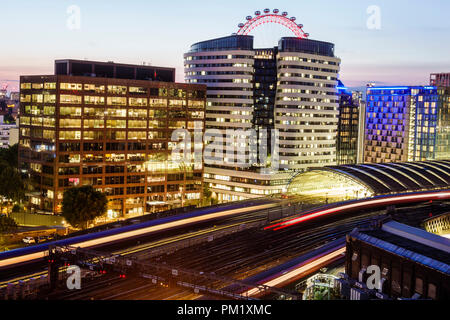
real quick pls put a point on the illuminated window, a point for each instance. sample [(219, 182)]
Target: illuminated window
[(36, 121), (196, 104), (116, 123), (157, 114), (71, 86), (154, 135), (25, 98), (137, 124), (156, 124), (49, 111), (136, 157), (70, 111), (50, 85), (177, 103), (39, 98), (93, 135), (25, 120), (94, 88), (49, 122), (115, 157), (177, 124), (116, 135), (197, 114), (137, 135), (90, 158), (138, 90), (120, 113), (94, 100), (138, 102), (70, 135), (37, 86), (70, 123), (70, 99), (94, 112), (94, 124), (116, 101), (49, 134), (25, 86), (137, 113), (25, 131), (49, 98), (158, 103), (117, 90)]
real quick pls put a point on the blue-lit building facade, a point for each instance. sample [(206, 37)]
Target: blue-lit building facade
[(409, 123)]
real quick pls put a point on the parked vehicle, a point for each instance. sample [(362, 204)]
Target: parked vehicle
[(29, 240)]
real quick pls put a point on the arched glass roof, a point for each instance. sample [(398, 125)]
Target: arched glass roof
[(374, 179)]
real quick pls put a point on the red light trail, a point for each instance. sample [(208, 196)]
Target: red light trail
[(363, 204)]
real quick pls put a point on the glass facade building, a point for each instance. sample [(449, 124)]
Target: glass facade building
[(351, 119), (407, 124), (113, 134)]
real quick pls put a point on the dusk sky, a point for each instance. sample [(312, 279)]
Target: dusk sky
[(414, 39)]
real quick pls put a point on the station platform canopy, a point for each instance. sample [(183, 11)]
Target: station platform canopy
[(365, 180)]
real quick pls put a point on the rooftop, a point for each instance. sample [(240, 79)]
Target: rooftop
[(386, 178), (111, 69), (411, 243)]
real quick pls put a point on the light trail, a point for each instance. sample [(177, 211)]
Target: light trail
[(361, 205), (144, 248), (139, 232), (298, 270)]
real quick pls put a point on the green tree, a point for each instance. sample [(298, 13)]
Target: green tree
[(207, 195), (9, 119), (10, 156), (7, 225), (82, 205), (11, 184)]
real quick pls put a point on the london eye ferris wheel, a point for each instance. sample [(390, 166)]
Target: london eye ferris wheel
[(270, 18)]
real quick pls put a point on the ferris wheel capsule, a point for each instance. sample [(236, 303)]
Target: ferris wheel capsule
[(300, 25), (293, 18), (241, 25), (249, 18), (307, 35), (276, 11), (257, 13), (266, 11), (285, 14)]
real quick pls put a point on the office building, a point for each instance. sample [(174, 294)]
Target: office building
[(9, 134), (109, 125), (407, 124), (350, 135), (440, 79), (290, 88), (14, 96)]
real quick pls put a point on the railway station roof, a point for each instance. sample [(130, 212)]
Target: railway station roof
[(374, 179)]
